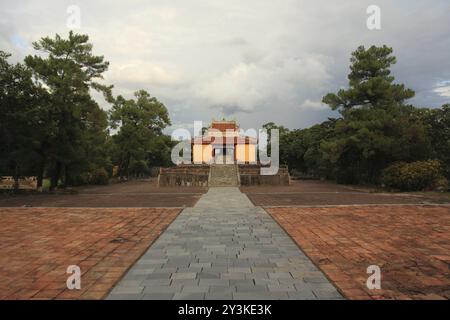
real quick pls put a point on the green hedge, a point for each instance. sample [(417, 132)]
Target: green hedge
[(98, 176), (415, 176)]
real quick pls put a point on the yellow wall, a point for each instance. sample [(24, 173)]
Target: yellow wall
[(197, 153), (246, 153), (251, 152), (207, 153), (240, 152), (201, 153)]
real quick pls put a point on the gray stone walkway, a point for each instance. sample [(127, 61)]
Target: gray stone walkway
[(224, 248)]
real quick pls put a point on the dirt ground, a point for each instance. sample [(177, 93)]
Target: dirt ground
[(321, 193), (38, 244), (410, 244), (127, 194)]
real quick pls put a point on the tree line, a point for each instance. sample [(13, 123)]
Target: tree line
[(376, 130), (51, 127)]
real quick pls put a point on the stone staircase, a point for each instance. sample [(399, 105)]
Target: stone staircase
[(223, 175)]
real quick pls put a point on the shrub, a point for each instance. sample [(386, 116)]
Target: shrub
[(440, 184), (80, 179), (414, 176), (99, 177), (392, 175), (139, 168)]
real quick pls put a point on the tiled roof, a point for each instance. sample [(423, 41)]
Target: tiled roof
[(223, 140), (224, 125)]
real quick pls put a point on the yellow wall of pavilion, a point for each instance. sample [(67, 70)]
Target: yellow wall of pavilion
[(201, 153), (245, 153)]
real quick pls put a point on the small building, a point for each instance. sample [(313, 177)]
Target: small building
[(222, 143)]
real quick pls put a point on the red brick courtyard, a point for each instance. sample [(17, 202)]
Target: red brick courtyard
[(411, 245), (345, 229), (407, 238), (132, 194), (38, 244)]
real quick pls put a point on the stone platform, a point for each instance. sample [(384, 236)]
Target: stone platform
[(215, 175)]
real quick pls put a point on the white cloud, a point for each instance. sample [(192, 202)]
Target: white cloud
[(313, 105), (141, 73), (275, 78), (255, 60), (443, 89)]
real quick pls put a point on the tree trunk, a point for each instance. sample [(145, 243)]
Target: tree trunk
[(16, 177), (40, 176), (124, 165), (55, 176), (66, 176), (128, 166)]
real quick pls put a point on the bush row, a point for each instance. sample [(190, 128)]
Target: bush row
[(415, 176)]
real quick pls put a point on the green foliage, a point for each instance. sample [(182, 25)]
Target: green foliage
[(437, 122), (139, 168), (301, 149), (370, 82), (98, 176), (160, 150), (50, 126), (21, 116), (282, 131), (376, 127), (414, 176), (140, 122), (75, 123), (368, 139)]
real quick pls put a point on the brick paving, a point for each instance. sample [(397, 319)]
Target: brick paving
[(124, 195), (333, 199), (411, 244), (302, 186), (312, 193), (38, 244), (224, 248)]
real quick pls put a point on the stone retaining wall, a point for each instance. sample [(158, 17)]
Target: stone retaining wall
[(26, 183), (250, 175), (184, 176), (198, 176)]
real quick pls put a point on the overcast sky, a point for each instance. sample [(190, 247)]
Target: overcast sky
[(254, 61)]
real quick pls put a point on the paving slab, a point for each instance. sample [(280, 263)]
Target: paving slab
[(225, 248)]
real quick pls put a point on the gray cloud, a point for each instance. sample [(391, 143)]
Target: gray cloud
[(256, 61)]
